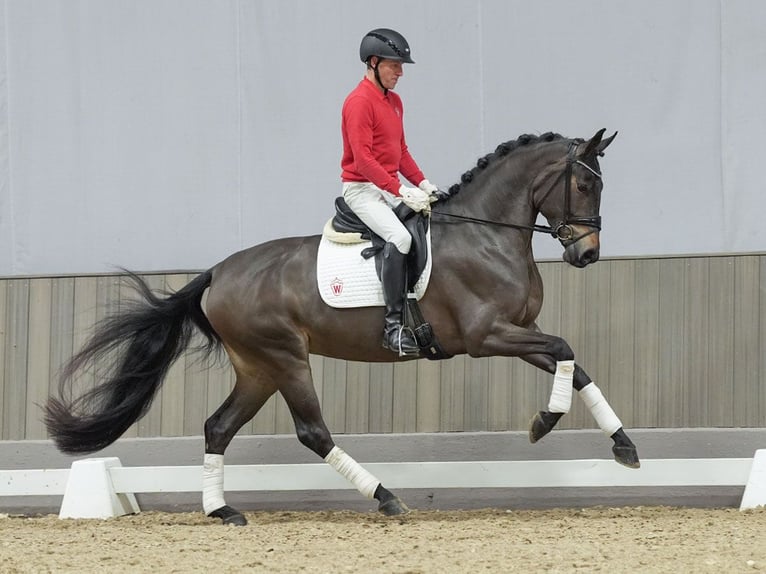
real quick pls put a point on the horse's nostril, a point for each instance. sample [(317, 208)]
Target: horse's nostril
[(590, 256)]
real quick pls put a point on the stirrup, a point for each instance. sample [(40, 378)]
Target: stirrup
[(402, 352)]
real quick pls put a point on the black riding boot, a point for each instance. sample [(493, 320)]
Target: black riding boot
[(393, 276)]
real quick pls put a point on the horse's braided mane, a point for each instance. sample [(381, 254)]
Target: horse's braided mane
[(500, 151)]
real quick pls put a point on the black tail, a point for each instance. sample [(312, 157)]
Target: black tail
[(138, 345)]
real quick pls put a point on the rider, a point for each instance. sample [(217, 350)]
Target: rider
[(374, 152)]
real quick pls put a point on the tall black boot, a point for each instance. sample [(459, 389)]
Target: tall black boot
[(393, 276)]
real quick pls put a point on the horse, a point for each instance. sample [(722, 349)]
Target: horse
[(264, 310)]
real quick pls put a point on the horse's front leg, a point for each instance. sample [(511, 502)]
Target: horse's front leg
[(546, 352), (554, 355), (543, 422)]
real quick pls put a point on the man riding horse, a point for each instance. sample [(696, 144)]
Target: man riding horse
[(374, 153), (264, 309)]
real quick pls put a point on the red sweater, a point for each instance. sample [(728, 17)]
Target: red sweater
[(374, 149)]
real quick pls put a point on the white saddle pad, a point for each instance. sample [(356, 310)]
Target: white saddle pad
[(346, 279)]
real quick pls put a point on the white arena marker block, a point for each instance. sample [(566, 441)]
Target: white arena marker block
[(755, 489), (90, 493)]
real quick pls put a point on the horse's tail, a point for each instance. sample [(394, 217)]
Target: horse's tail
[(136, 347)]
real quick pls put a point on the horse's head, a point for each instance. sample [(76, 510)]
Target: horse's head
[(546, 174), (571, 203)]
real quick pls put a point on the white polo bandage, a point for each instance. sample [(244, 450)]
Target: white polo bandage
[(349, 468), (212, 483), (605, 417), (561, 393)]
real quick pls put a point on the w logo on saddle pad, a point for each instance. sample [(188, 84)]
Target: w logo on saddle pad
[(336, 285), (346, 279)]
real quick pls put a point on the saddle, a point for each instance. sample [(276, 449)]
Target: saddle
[(346, 221)]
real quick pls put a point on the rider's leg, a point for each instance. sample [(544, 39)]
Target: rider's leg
[(374, 208), (393, 275)]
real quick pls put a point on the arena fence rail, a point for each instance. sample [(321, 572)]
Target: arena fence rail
[(103, 488)]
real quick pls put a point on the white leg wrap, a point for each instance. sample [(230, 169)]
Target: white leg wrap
[(212, 483), (561, 393), (348, 467), (605, 417)]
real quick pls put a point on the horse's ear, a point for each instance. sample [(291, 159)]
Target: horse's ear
[(605, 143), (592, 147)]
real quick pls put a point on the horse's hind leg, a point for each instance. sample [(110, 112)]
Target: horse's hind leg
[(567, 373), (247, 397), (300, 396)]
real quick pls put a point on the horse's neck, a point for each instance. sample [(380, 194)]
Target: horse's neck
[(501, 192)]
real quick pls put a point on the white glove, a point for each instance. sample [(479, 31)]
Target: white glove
[(416, 199), (430, 189)]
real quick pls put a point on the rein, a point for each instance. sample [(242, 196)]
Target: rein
[(562, 230)]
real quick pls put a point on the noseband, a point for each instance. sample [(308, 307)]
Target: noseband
[(562, 230)]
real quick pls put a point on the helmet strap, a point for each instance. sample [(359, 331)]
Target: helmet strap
[(377, 74)]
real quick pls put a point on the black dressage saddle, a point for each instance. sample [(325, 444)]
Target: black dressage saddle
[(346, 221)]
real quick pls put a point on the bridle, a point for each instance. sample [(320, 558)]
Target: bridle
[(561, 230)]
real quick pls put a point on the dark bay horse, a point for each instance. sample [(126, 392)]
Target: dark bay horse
[(263, 307)]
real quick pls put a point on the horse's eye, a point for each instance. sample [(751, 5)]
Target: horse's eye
[(581, 187)]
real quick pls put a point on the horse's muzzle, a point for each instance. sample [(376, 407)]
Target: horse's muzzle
[(583, 248), (583, 258)]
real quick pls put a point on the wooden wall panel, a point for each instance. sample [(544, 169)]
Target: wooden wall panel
[(5, 341), (381, 414), (646, 351), (453, 394), (760, 364), (697, 324), (427, 396), (16, 354), (671, 335), (672, 342), (476, 394), (720, 356), (357, 397), (39, 356), (749, 344), (404, 397), (499, 393)]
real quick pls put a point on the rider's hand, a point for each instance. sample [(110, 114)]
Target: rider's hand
[(416, 199), (430, 189)]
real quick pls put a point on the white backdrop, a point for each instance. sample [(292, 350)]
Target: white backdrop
[(166, 134)]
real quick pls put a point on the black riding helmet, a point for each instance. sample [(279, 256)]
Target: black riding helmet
[(385, 43)]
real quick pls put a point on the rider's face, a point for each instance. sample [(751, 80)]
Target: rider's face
[(390, 71)]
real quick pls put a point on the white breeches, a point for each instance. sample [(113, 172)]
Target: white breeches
[(374, 206)]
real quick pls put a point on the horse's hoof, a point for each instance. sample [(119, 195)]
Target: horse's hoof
[(229, 516), (626, 456), (393, 507), (541, 424)]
